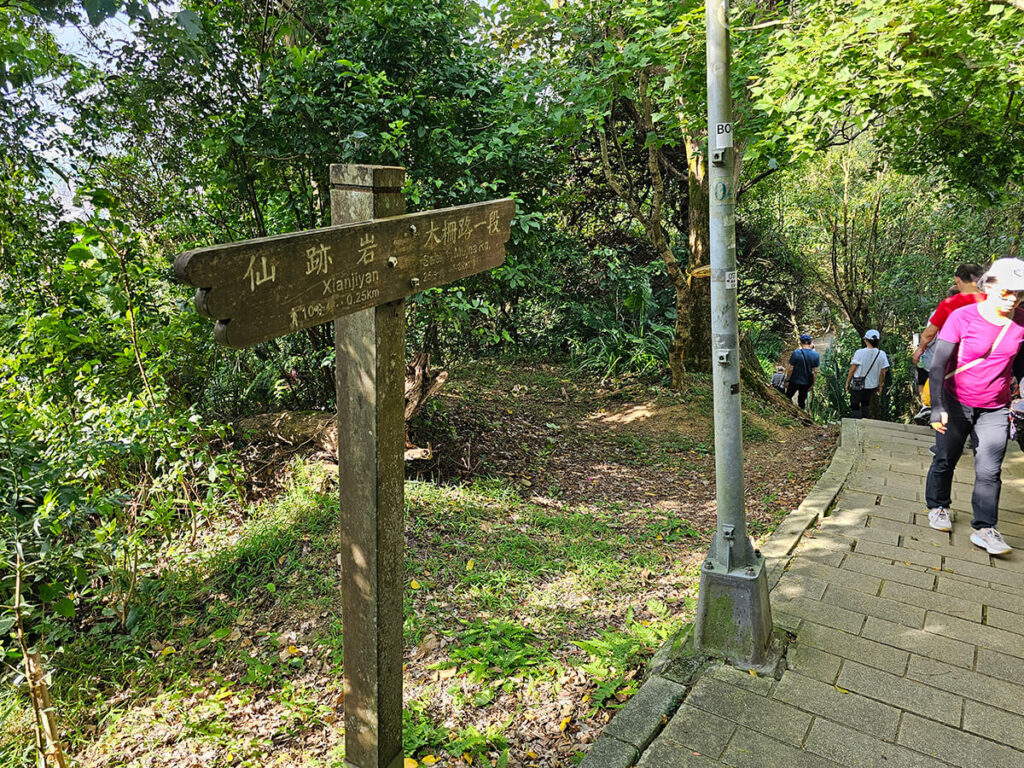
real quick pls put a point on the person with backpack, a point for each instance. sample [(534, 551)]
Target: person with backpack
[(866, 375), (802, 370), (779, 379), (976, 354)]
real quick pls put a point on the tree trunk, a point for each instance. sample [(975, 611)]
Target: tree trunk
[(691, 342), (677, 355), (421, 384), (698, 345), (41, 703)]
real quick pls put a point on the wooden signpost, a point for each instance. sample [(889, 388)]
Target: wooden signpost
[(261, 289), (357, 272)]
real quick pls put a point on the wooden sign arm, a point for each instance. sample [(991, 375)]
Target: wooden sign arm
[(261, 289)]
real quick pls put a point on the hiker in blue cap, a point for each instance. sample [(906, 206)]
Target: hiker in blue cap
[(802, 370)]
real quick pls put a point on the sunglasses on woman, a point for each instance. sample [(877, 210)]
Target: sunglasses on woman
[(1004, 293)]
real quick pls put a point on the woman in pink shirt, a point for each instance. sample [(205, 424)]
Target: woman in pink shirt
[(975, 356)]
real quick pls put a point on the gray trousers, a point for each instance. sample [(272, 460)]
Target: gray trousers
[(992, 427)]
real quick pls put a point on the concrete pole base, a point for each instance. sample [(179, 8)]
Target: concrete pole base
[(734, 617)]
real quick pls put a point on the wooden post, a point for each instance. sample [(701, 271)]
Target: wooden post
[(370, 355), (357, 272)]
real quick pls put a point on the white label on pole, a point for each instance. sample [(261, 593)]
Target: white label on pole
[(723, 135), (730, 280)]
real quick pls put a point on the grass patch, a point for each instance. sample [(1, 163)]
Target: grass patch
[(495, 649), (753, 432), (534, 593), (675, 452), (616, 653)]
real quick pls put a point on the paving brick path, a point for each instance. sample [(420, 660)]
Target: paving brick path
[(909, 649)]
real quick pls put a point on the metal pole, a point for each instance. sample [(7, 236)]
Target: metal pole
[(733, 614), (731, 542)]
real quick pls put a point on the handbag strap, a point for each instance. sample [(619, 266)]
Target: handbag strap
[(877, 353), (981, 359)]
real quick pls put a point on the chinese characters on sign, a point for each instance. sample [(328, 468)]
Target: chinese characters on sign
[(260, 289), (367, 248), (318, 260), (258, 277), (455, 231)]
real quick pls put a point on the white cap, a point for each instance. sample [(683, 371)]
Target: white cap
[(1008, 274), (872, 334)]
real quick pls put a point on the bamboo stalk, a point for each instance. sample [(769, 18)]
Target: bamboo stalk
[(45, 724), (54, 754)]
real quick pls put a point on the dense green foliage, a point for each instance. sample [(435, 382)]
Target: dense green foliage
[(937, 81), (879, 145)]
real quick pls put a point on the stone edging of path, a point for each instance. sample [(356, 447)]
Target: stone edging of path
[(637, 724), (816, 504)]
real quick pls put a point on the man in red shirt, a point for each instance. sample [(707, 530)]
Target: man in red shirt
[(966, 282)]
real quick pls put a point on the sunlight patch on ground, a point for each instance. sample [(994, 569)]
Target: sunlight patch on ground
[(628, 416), (565, 593)]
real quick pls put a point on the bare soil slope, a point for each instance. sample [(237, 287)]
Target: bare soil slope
[(567, 439)]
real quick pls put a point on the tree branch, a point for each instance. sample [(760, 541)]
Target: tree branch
[(760, 177), (773, 23), (657, 181)]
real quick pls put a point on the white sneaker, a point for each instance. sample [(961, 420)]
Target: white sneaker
[(990, 539), (939, 519)]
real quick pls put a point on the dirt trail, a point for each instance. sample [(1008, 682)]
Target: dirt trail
[(571, 440)]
